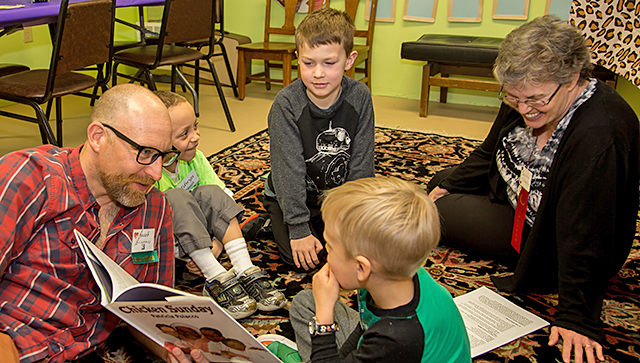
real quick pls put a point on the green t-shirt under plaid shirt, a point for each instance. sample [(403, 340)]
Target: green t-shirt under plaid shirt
[(200, 166)]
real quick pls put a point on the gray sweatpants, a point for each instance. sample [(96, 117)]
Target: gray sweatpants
[(200, 215), (302, 311)]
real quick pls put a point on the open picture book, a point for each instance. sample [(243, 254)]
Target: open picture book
[(171, 317)]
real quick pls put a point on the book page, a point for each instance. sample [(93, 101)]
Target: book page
[(492, 320), (149, 292), (120, 279), (116, 283), (100, 275)]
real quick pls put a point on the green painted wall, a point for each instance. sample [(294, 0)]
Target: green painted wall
[(392, 76)]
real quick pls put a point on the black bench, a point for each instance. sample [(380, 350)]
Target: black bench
[(465, 56), (453, 55)]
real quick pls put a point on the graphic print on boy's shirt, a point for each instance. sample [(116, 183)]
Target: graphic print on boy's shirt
[(331, 161)]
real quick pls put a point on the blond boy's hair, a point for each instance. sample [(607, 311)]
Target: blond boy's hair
[(170, 99), (326, 26), (388, 220)]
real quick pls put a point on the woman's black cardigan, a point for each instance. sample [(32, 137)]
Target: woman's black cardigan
[(586, 219)]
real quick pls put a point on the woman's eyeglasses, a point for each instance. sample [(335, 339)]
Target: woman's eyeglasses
[(512, 101)]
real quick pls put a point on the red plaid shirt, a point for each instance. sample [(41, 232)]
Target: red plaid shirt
[(49, 301)]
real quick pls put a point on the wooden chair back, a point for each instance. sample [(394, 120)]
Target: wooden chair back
[(270, 51), (287, 27), (364, 51), (351, 6)]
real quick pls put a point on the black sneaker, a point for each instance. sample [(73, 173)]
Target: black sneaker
[(257, 284), (227, 291), (258, 228)]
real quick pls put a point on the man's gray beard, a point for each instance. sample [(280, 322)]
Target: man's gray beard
[(120, 190)]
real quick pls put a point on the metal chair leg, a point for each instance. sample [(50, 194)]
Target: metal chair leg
[(196, 108), (138, 76), (59, 120), (49, 106), (94, 94), (196, 76), (173, 78), (150, 81), (114, 74), (184, 89), (228, 64), (45, 129), (223, 100)]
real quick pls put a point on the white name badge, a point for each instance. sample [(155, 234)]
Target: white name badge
[(189, 181), (143, 240), (525, 179)]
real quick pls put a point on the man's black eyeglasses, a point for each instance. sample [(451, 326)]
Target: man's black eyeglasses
[(147, 154)]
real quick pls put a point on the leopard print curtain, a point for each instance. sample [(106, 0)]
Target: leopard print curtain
[(612, 30)]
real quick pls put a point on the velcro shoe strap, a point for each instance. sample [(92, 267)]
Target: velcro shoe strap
[(224, 286), (254, 277)]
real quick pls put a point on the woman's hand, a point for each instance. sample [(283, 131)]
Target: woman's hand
[(438, 193), (577, 342)]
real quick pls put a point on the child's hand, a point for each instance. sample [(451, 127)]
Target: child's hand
[(194, 269), (325, 293)]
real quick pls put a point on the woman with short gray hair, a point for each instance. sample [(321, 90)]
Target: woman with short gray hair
[(545, 49), (553, 189)]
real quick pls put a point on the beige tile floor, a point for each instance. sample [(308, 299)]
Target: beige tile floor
[(250, 116)]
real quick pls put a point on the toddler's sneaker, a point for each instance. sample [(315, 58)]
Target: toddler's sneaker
[(257, 284), (227, 291)]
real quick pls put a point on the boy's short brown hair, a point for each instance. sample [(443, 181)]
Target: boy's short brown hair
[(326, 26), (170, 99), (388, 220)]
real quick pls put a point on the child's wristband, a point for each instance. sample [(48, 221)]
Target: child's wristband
[(321, 329)]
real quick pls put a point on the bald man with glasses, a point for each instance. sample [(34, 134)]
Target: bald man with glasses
[(49, 302)]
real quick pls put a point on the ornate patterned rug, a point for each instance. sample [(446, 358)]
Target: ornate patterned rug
[(416, 157)]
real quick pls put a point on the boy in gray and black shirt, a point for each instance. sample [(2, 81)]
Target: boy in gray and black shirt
[(321, 129)]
